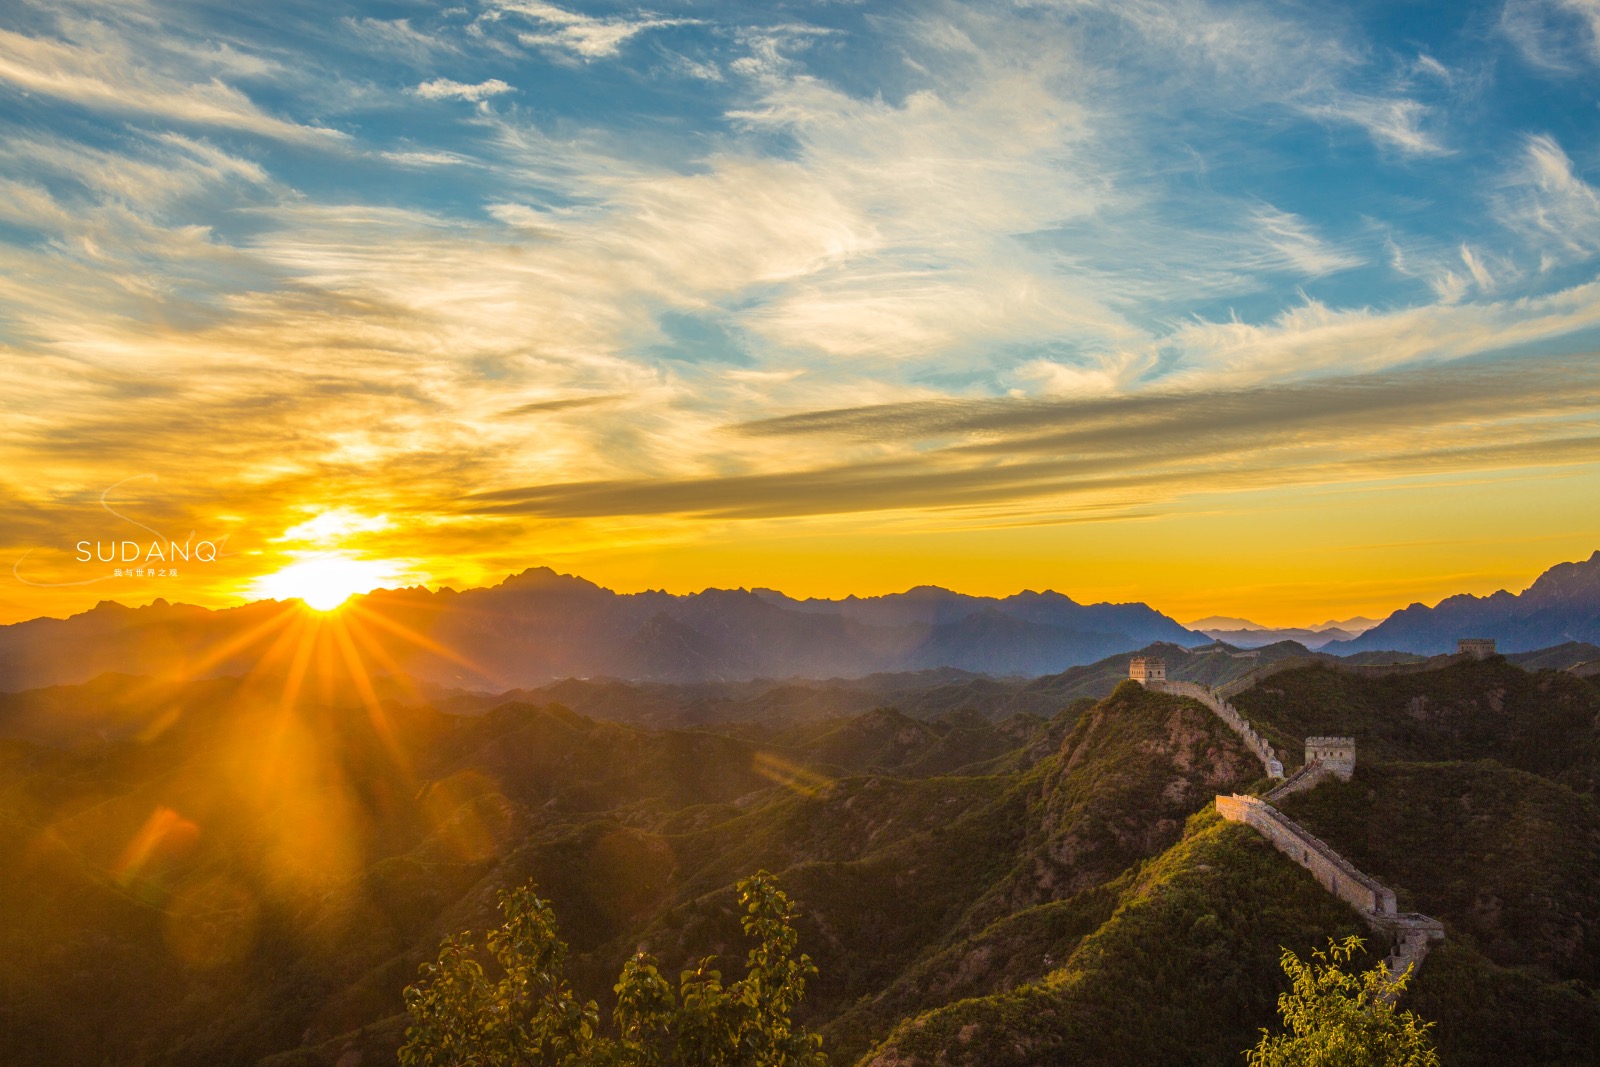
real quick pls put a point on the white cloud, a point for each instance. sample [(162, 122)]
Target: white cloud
[(105, 73), (1559, 36), (581, 35), (1550, 204), (430, 159), (1426, 64), (1394, 122), (1314, 340), (146, 175), (397, 37), (1477, 268), (1246, 56), (1297, 246), (1008, 198), (445, 89)]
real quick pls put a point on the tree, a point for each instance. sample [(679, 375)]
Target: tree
[(530, 1017), (1339, 1018)]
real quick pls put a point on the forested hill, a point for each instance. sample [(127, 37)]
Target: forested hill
[(228, 878)]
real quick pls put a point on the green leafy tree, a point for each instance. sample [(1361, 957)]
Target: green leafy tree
[(530, 1017), (1343, 1018)]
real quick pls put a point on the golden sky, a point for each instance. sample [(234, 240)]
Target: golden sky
[(1261, 312)]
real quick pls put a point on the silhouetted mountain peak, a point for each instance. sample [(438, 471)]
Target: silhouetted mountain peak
[(1566, 582), (1562, 604), (545, 580), (1048, 596)]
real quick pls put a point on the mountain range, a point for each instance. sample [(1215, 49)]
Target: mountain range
[(1563, 604), (1243, 633), (539, 626)]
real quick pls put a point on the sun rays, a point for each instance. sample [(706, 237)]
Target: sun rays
[(307, 756)]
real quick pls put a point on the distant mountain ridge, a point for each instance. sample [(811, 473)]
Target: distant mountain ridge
[(539, 626), (1244, 633), (1562, 605)]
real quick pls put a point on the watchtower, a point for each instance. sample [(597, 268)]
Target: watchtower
[(1337, 754), (1476, 647), (1145, 669)]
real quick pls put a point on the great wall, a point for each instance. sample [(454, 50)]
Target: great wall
[(1409, 933)]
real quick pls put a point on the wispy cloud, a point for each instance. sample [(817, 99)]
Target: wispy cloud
[(92, 66), (1557, 36), (583, 36), (1294, 241), (445, 89), (1394, 122), (1130, 451), (1546, 201)]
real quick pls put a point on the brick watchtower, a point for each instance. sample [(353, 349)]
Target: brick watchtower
[(1145, 669), (1337, 754)]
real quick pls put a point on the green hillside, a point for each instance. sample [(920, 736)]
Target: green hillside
[(1185, 971), (244, 881), (1544, 722)]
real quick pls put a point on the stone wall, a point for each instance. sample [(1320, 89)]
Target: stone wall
[(1413, 936), (1307, 776), (1230, 715), (1409, 933), (1336, 873)]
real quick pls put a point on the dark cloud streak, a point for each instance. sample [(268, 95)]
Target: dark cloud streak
[(1425, 421)]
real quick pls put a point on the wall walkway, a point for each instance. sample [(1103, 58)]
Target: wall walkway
[(1411, 933), (1230, 715)]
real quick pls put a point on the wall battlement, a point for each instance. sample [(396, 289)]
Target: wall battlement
[(1307, 776), (1410, 933), (1337, 874)]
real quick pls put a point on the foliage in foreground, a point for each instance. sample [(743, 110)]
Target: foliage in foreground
[(531, 1018), (1337, 1018)]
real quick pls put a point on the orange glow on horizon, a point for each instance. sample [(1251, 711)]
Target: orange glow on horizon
[(324, 581), (1279, 557)]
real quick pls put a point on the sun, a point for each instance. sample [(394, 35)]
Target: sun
[(326, 580)]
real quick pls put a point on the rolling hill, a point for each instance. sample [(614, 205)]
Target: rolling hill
[(208, 873)]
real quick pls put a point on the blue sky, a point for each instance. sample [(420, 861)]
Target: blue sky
[(567, 280)]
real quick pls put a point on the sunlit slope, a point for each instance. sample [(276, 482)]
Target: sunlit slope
[(1183, 972), (893, 876), (1508, 859), (203, 893)]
